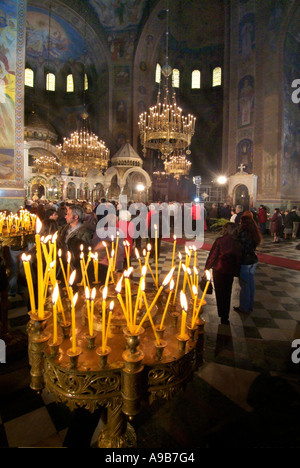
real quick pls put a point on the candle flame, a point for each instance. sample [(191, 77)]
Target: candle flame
[(183, 301), (195, 270), (137, 253), (174, 237), (75, 299), (172, 283), (54, 237), (38, 225), (179, 256), (111, 305), (104, 243), (68, 257), (104, 293), (195, 290), (119, 285), (72, 277), (93, 295), (59, 252), (81, 247), (168, 277), (144, 270), (207, 273), (112, 253), (55, 294), (87, 293), (148, 247)]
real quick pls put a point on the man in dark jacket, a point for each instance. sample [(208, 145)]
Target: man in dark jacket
[(73, 235)]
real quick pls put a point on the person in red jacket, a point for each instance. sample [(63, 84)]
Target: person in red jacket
[(225, 259), (262, 218)]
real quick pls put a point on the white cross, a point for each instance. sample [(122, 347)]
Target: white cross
[(241, 167)]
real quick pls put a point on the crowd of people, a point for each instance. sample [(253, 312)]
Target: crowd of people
[(282, 224), (83, 226)]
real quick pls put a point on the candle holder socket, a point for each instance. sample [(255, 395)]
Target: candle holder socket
[(74, 356), (160, 348), (182, 340), (66, 328), (90, 340), (54, 348), (103, 356)]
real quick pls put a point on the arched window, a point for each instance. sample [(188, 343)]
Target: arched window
[(196, 79), (70, 84), (50, 82), (158, 73), (86, 82), (175, 78), (29, 77), (217, 76)]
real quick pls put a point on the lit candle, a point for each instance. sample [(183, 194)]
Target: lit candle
[(174, 247), (96, 267), (28, 275), (202, 298), (54, 300), (93, 295), (68, 266), (184, 313), (40, 285), (156, 256), (116, 250), (118, 289), (104, 295), (167, 303), (87, 298), (165, 282), (141, 284), (74, 323), (104, 345), (177, 281), (195, 292)]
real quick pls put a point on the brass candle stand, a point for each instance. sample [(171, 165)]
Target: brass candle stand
[(133, 367)]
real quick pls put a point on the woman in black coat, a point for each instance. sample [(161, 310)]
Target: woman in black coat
[(224, 258)]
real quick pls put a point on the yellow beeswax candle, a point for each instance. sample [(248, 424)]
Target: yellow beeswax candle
[(74, 345), (177, 281), (54, 300), (167, 303), (202, 297), (174, 248), (93, 295), (165, 282), (40, 283), (183, 302), (104, 296), (28, 275)]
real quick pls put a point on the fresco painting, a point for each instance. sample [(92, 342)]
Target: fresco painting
[(8, 41)]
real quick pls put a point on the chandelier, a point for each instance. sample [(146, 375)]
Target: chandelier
[(177, 165), (83, 150), (47, 164), (164, 128)]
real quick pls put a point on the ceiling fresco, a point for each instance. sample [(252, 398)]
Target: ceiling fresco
[(116, 15), (65, 42)]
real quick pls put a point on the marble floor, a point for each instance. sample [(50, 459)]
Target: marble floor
[(246, 393)]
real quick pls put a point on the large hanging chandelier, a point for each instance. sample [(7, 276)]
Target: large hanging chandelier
[(177, 165), (83, 150), (47, 164), (164, 128)]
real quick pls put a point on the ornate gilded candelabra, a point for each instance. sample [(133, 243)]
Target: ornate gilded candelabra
[(114, 345)]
